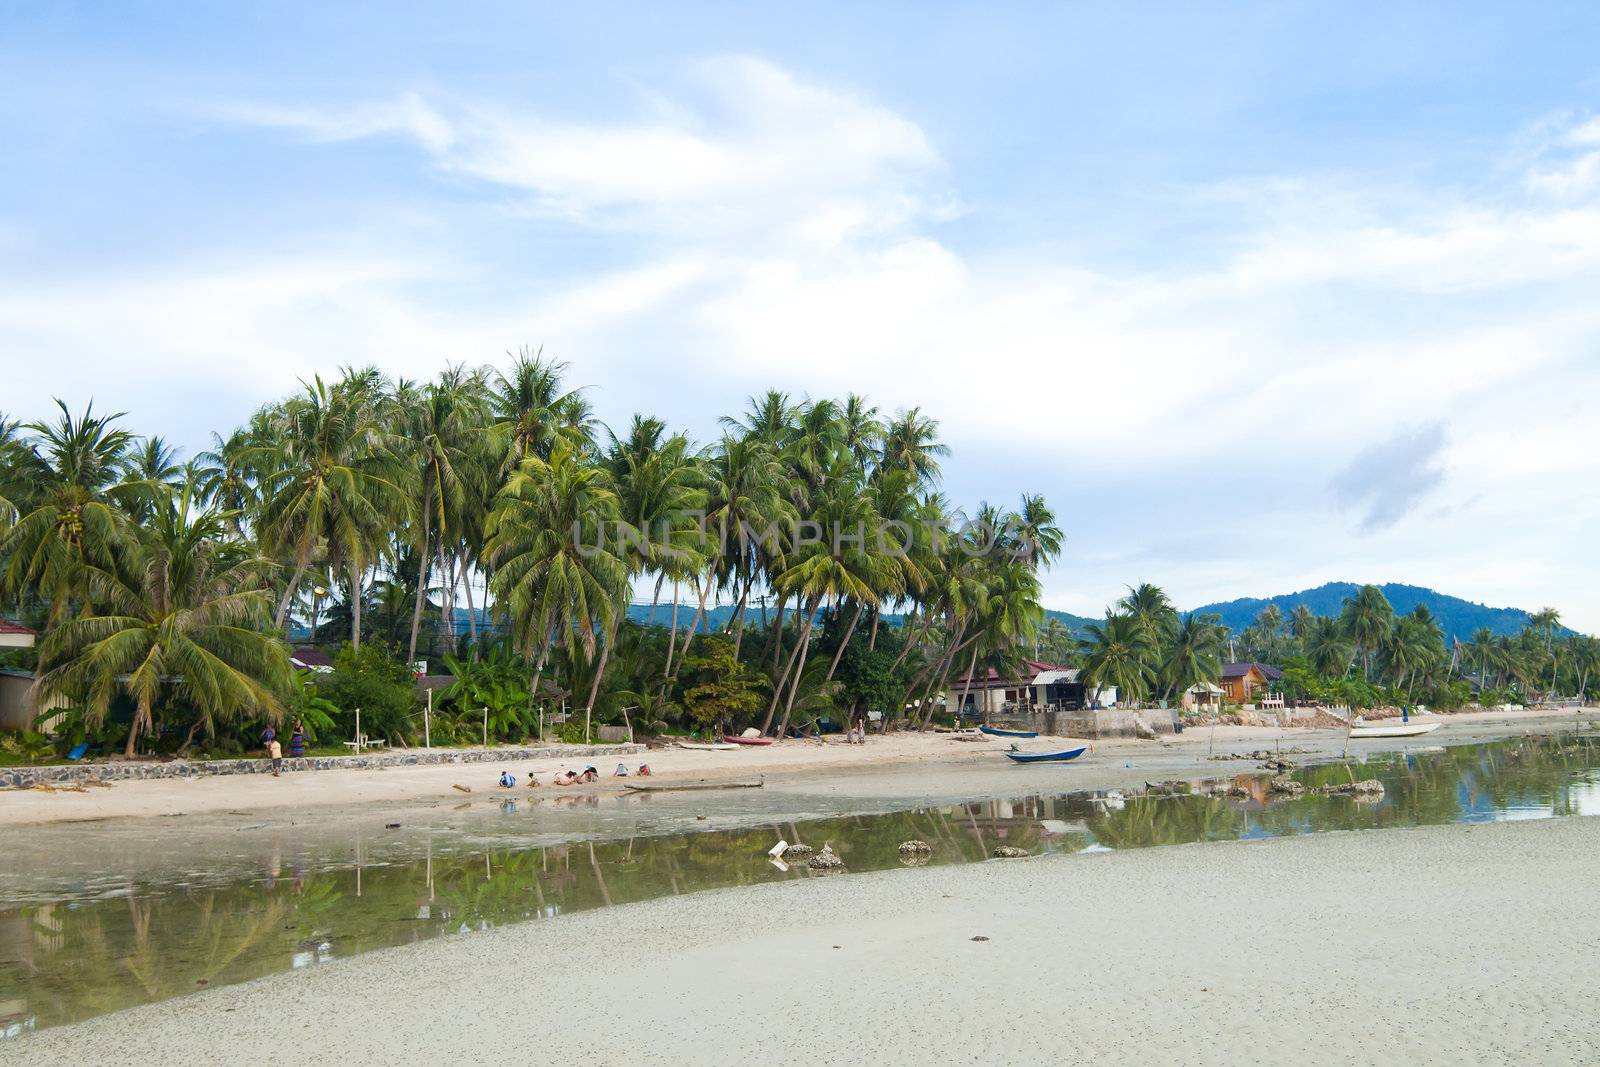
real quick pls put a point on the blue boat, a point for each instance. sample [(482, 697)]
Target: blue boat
[(995, 731), (1046, 757)]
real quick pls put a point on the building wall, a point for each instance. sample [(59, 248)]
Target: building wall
[(16, 702)]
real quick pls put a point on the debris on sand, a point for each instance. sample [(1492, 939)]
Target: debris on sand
[(1008, 852), (462, 788), (826, 860)]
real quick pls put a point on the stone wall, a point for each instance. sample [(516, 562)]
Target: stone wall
[(1113, 722), (125, 770)]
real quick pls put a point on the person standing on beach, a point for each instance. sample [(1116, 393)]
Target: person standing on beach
[(275, 753), (297, 740)]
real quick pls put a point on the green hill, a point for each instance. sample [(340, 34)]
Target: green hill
[(1456, 616)]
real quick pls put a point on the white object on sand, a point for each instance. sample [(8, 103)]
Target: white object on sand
[(779, 849), (1412, 729)]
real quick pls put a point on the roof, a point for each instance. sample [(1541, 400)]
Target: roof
[(1239, 670), (9, 627), (310, 657), (1032, 674)]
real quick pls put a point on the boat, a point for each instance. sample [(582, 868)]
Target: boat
[(1046, 757), (730, 739), (1410, 729), (679, 787), (995, 731), (707, 746)]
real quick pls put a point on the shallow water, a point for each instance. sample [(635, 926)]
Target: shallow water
[(150, 914)]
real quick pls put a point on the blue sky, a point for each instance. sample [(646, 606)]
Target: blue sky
[(1258, 296)]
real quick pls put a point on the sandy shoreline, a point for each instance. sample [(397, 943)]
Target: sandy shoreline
[(920, 765), (1451, 944)]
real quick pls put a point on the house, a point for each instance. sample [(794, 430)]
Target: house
[(1202, 695), (16, 687), (1240, 680), (1038, 686)]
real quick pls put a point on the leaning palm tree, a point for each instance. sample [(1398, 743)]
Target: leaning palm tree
[(182, 621)]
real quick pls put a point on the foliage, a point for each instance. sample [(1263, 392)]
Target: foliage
[(720, 689), (374, 679)]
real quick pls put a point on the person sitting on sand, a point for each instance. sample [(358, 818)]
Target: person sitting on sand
[(622, 771), (507, 780), (533, 780), (566, 778), (589, 774), (644, 770)]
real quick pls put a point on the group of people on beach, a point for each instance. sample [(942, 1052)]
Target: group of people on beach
[(586, 776), (297, 746)]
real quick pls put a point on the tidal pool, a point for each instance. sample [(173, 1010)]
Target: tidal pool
[(141, 916)]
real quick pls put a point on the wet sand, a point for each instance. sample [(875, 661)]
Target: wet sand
[(1454, 944), (901, 767)]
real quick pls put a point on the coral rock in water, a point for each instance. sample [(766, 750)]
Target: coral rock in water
[(914, 846), (826, 860), (1008, 852), (795, 851)]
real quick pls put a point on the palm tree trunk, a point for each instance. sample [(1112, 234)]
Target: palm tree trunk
[(594, 686), (472, 610), (849, 632), (672, 640), (738, 618), (967, 688), (422, 586), (775, 635), (804, 650), (538, 676), (655, 598), (447, 599), (355, 604), (288, 594), (915, 640), (779, 683), (872, 637), (141, 718)]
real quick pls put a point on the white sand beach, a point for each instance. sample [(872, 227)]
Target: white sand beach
[(900, 764), (1454, 944)]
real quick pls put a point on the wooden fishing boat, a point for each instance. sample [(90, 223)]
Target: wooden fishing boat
[(680, 787), (995, 731), (707, 746), (1409, 729), (1046, 757), (732, 740)]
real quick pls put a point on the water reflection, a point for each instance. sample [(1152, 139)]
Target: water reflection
[(114, 943)]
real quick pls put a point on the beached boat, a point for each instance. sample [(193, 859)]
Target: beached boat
[(680, 787), (730, 739), (1410, 729), (995, 731), (707, 746), (1046, 757)]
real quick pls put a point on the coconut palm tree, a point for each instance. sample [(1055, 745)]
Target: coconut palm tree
[(74, 520), (1367, 618), (911, 444), (1301, 622), (1118, 652), (182, 620), (553, 571), (1195, 654), (333, 486)]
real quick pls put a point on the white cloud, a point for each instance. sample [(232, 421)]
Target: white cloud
[(1189, 416), (751, 149)]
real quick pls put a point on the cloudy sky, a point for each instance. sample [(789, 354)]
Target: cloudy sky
[(1258, 297)]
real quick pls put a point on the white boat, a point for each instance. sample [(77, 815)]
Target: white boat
[(703, 746), (1410, 729)]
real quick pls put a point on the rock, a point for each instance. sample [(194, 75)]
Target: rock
[(798, 851), (1277, 764), (1369, 788), (1143, 731), (1170, 788), (915, 847), (978, 937), (1287, 786), (1237, 791), (826, 860), (1008, 852)]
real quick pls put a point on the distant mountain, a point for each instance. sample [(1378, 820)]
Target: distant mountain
[(1457, 617)]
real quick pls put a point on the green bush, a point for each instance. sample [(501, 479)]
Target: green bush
[(378, 682)]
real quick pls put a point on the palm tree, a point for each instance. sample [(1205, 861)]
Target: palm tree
[(332, 486), (1329, 648), (911, 444), (1301, 623), (183, 617), (1038, 538), (1367, 618), (439, 423), (532, 412), (1117, 653), (1195, 654), (553, 571), (75, 521)]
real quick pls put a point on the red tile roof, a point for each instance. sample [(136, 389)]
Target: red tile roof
[(8, 627)]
